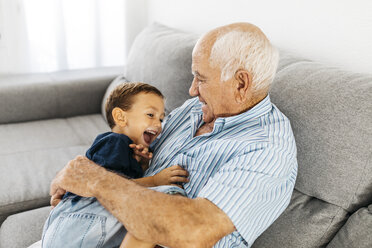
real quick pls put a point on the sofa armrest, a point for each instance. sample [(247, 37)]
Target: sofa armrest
[(53, 95)]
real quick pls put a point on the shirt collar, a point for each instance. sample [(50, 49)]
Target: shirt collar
[(259, 109)]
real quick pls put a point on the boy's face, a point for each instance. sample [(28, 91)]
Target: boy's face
[(143, 120)]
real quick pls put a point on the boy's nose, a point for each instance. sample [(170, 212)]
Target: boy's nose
[(157, 124)]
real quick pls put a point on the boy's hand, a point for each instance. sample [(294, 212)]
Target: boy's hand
[(141, 151), (172, 175)]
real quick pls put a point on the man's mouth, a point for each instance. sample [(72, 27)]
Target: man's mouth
[(204, 106), (149, 135)]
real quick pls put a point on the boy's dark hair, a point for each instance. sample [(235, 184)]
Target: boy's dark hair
[(122, 97)]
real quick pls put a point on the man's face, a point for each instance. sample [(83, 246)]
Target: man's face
[(216, 96), (144, 118)]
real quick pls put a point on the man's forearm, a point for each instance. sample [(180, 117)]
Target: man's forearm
[(173, 221), (151, 216)]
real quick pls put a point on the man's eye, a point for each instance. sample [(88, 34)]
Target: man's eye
[(198, 79), (150, 115)]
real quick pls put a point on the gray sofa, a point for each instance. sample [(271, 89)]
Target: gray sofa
[(47, 119)]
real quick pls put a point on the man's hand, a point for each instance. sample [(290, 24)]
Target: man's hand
[(79, 176), (172, 175), (57, 197)]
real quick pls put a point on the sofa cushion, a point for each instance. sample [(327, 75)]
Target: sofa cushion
[(331, 115), (306, 223), (161, 56), (356, 232), (53, 95), (118, 80), (34, 152), (23, 229)]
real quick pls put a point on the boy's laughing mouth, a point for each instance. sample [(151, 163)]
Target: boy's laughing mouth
[(149, 135)]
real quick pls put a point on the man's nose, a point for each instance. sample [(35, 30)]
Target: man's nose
[(194, 91)]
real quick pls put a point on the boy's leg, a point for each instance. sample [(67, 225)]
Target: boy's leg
[(132, 242)]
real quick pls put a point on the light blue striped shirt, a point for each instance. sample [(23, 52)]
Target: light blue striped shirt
[(246, 166)]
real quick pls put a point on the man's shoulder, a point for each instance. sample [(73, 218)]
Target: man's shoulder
[(187, 106), (277, 128), (275, 119)]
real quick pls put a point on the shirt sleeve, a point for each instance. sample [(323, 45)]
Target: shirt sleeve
[(114, 154), (253, 189)]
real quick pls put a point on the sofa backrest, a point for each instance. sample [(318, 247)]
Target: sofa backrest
[(331, 116), (330, 113), (161, 56)]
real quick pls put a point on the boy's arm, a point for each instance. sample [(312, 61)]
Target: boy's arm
[(145, 181), (172, 175)]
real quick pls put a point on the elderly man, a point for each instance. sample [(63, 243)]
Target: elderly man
[(236, 145)]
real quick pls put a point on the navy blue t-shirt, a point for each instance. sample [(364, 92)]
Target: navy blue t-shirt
[(111, 150)]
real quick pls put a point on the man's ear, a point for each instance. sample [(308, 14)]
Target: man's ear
[(243, 83), (119, 117)]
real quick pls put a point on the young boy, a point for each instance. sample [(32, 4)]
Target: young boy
[(134, 113)]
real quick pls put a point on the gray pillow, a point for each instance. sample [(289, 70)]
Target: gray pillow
[(161, 56), (356, 232), (118, 80), (331, 115), (307, 223)]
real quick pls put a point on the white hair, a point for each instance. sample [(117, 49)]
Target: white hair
[(250, 51)]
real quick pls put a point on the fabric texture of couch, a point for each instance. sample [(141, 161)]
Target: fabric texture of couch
[(45, 120)]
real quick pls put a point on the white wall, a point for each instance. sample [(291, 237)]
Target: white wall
[(53, 35), (335, 32), (136, 19)]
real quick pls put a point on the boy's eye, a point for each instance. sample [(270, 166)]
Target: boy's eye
[(150, 115), (161, 120)]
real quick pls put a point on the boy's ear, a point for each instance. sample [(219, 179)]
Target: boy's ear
[(119, 117)]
